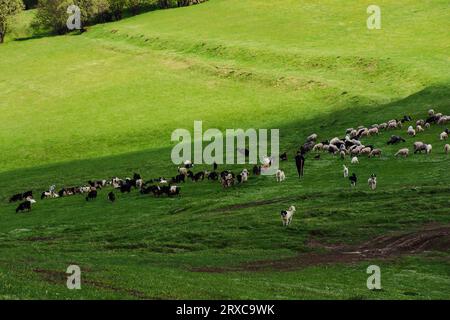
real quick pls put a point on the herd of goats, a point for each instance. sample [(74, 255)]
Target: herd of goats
[(350, 145)]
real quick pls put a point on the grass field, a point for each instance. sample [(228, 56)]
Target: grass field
[(104, 103)]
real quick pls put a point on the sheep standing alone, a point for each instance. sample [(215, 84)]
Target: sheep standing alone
[(372, 182), (447, 148), (443, 136), (345, 171), (286, 215), (280, 175), (355, 160), (353, 179)]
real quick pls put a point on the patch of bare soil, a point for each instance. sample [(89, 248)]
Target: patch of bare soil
[(431, 238), (58, 277)]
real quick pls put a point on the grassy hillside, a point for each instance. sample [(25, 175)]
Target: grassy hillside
[(104, 103)]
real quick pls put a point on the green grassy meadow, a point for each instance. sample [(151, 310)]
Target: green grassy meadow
[(104, 103)]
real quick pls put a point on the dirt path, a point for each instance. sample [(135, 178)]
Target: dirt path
[(430, 238)]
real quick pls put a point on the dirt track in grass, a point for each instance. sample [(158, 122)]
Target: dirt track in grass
[(429, 238)]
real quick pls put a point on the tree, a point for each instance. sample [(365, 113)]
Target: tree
[(8, 8)]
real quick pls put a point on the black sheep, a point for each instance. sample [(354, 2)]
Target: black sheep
[(91, 195), (26, 205), (353, 179), (395, 140), (111, 196), (213, 176), (16, 197)]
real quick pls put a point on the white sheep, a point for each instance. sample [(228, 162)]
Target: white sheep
[(312, 137), (345, 171), (355, 160), (411, 131), (287, 215), (183, 171), (447, 148), (373, 131), (280, 175), (429, 147), (402, 152), (372, 182), (375, 152), (419, 128), (244, 175), (431, 112), (443, 136)]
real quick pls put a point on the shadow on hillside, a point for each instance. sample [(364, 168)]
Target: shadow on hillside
[(150, 163)]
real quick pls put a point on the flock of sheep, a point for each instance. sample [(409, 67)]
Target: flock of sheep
[(350, 145)]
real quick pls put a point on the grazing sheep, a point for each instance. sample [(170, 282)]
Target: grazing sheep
[(353, 179), (256, 170), (419, 128), (139, 183), (183, 171), (383, 126), (26, 205), (429, 147), (431, 112), (427, 125), (395, 140), (286, 215), (411, 131), (111, 196), (402, 152), (16, 197), (342, 154), (443, 120), (280, 175), (48, 194), (333, 149), (373, 131), (355, 160), (372, 182), (392, 124), (447, 148), (336, 141), (188, 164), (365, 151), (312, 138), (91, 195), (345, 171), (374, 153), (318, 147), (244, 175), (419, 146), (420, 122), (443, 136)]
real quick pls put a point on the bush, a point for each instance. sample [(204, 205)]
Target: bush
[(52, 14)]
